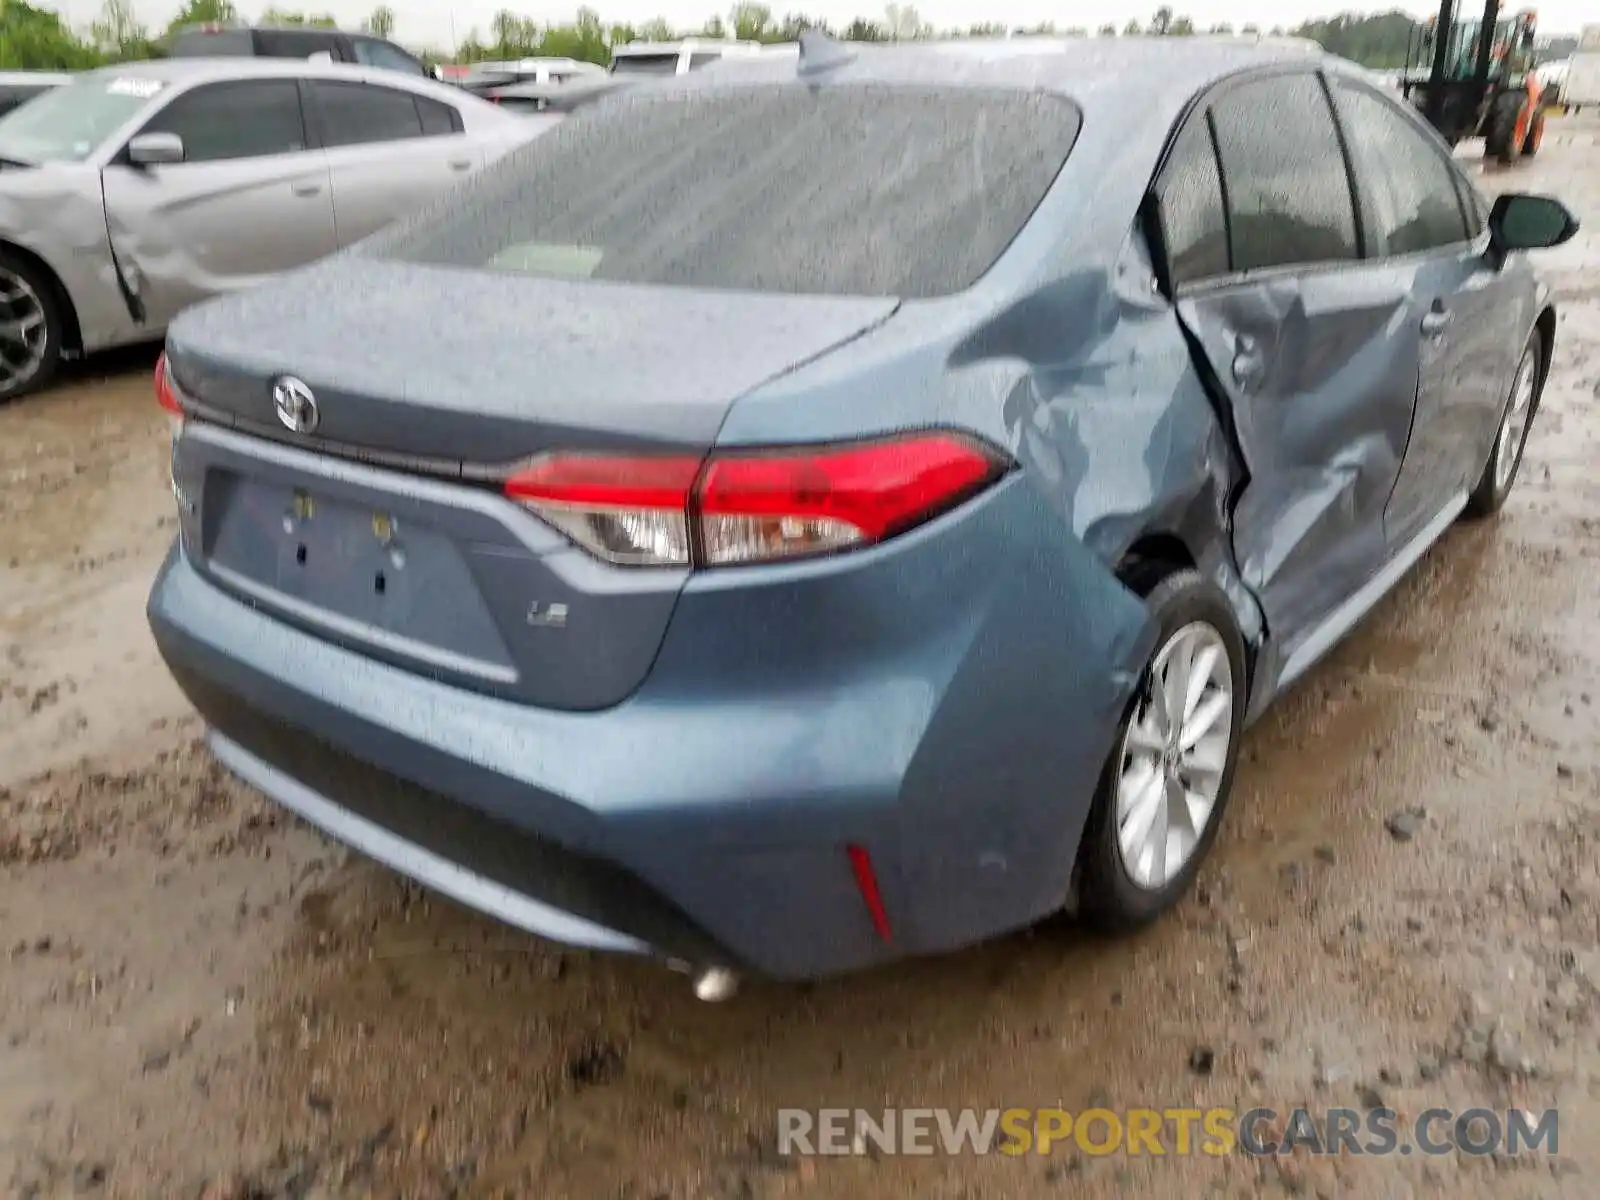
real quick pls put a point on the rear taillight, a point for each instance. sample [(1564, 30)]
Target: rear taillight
[(167, 391), (753, 506)]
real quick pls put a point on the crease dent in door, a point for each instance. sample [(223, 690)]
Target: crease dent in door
[(127, 283), (64, 221), (1321, 375)]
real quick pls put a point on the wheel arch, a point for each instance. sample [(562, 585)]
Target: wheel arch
[(72, 332), (1545, 326)]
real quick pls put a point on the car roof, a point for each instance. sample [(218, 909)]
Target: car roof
[(202, 68), (1090, 70)]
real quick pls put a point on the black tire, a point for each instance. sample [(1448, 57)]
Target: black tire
[(38, 284), (1109, 900), (1500, 141), (1530, 144), (1488, 496)]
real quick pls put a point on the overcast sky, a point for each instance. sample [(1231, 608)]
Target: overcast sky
[(430, 22)]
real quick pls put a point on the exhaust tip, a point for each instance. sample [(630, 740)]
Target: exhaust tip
[(715, 985)]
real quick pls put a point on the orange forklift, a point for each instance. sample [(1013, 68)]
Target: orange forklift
[(1475, 79)]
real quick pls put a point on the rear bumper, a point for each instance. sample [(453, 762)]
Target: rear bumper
[(700, 821)]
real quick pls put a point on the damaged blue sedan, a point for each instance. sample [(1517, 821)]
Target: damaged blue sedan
[(828, 510)]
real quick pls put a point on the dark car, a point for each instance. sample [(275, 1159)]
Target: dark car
[(800, 515), (18, 87), (293, 41)]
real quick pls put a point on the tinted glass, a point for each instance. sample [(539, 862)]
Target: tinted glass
[(197, 43), (354, 113), (381, 54), (646, 64), (437, 118), (235, 120), (297, 43), (845, 190), (696, 61), (1288, 192), (1408, 191), (1192, 224), (67, 124)]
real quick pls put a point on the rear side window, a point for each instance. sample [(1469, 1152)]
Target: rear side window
[(297, 43), (1284, 173), (1194, 230), (1408, 192), (437, 118), (381, 54), (845, 190), (229, 43), (356, 113), (248, 119)]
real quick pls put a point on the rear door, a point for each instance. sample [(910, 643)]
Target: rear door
[(1416, 224), (1313, 351), (250, 200), (390, 151)]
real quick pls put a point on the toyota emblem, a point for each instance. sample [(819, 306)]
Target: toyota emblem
[(296, 406)]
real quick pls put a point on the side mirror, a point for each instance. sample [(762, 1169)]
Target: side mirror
[(1522, 222), (155, 149)]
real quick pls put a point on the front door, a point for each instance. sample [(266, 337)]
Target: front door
[(249, 200), (1314, 351), (1419, 220), (390, 152)]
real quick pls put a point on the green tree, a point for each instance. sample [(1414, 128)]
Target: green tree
[(1109, 29), (381, 22), (658, 29), (1161, 23), (1132, 29), (119, 35), (34, 39), (204, 12), (862, 30), (751, 22)]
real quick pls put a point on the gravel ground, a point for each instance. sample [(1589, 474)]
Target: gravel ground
[(200, 997)]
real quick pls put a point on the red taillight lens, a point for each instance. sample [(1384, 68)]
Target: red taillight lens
[(752, 507), (166, 390), (626, 510)]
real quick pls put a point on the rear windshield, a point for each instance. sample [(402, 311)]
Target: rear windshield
[(229, 43), (844, 190)]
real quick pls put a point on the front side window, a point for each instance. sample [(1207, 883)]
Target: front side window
[(69, 123), (1284, 174), (1408, 191), (1194, 229), (248, 119), (357, 113), (846, 190)]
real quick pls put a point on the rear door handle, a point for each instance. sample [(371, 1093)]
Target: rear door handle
[(1435, 322), (306, 189), (460, 164)]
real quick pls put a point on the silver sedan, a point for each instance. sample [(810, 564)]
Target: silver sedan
[(138, 190)]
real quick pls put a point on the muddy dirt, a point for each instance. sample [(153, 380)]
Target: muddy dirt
[(199, 997)]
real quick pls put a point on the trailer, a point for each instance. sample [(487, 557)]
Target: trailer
[(1581, 88)]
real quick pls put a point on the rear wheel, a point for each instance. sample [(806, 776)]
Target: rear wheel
[(1530, 144), (1163, 792), (1501, 142), (30, 328), (1505, 456)]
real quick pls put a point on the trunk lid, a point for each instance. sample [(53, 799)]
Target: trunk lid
[(378, 530), (487, 368)]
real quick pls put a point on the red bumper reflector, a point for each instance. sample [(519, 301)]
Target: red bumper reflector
[(867, 883)]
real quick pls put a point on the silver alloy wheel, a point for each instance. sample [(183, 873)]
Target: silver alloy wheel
[(1174, 754), (1514, 425), (23, 334)]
